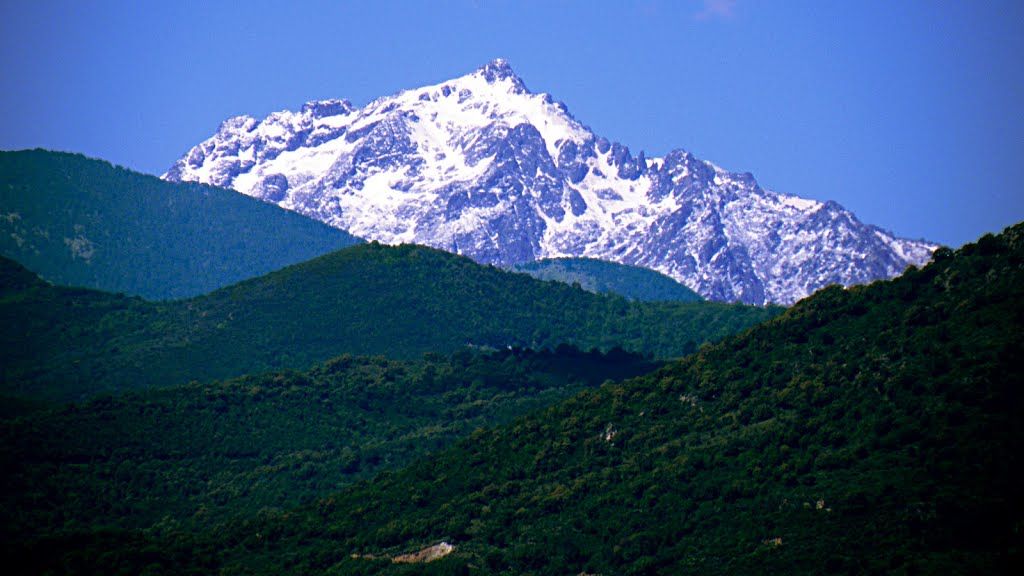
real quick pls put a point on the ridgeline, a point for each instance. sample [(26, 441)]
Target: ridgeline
[(66, 344)]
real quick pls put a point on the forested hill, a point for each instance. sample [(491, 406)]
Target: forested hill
[(869, 430), (633, 282), (193, 456), (83, 222), (67, 344)]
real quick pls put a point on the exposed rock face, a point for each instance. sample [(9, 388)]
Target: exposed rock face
[(428, 554), (481, 166)]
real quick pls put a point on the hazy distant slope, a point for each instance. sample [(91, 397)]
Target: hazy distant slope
[(83, 222), (633, 282), (403, 301), (869, 430)]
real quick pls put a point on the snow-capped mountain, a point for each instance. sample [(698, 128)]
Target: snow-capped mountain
[(481, 166)]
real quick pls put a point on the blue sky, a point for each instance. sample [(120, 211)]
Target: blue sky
[(909, 113)]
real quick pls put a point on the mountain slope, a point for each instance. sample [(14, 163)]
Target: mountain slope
[(870, 430), (598, 276), (195, 455), (404, 301), (481, 166), (83, 222)]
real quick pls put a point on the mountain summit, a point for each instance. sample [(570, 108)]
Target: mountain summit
[(499, 69), (481, 166)]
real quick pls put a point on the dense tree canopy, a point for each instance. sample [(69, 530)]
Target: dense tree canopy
[(869, 430), (331, 416), (195, 455)]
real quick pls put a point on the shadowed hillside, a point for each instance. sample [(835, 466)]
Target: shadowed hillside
[(633, 282)]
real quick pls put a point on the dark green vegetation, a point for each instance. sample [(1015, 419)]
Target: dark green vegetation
[(870, 430), (66, 344), (633, 282), (83, 222), (193, 456)]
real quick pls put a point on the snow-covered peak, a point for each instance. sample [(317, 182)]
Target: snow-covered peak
[(493, 93), (481, 166)]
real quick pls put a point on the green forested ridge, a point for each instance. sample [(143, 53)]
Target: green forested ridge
[(83, 222), (196, 455), (66, 343), (633, 282), (874, 430)]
